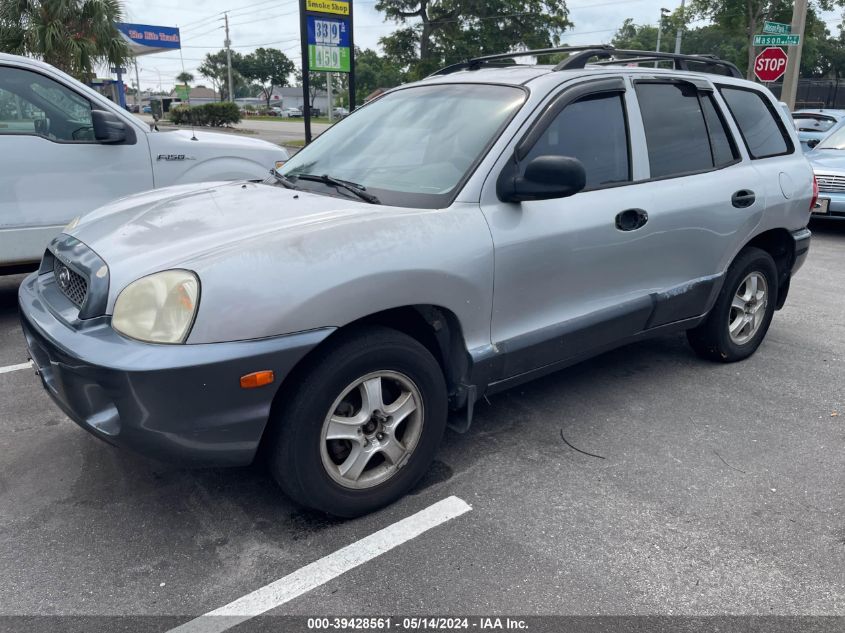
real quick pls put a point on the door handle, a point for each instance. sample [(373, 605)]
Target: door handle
[(631, 219), (743, 199)]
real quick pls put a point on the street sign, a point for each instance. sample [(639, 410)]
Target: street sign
[(770, 64), (328, 44), (182, 92), (776, 28), (777, 40)]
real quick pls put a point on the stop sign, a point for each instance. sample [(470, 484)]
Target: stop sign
[(770, 64)]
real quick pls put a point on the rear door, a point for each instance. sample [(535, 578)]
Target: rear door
[(53, 169)]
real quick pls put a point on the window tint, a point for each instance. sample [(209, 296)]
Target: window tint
[(761, 128), (33, 104), (675, 131), (721, 144), (594, 131)]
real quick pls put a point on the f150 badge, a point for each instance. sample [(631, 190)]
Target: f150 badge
[(175, 157)]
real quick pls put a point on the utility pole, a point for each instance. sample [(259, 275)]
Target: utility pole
[(680, 29), (793, 63), (228, 43), (331, 101), (663, 13)]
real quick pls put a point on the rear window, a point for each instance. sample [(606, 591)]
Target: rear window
[(760, 126), (810, 123)]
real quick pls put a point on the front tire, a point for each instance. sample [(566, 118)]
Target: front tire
[(739, 320), (361, 424)]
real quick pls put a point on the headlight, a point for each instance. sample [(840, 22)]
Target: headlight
[(159, 308), (71, 225)]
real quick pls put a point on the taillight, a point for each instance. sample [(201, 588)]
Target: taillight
[(815, 194)]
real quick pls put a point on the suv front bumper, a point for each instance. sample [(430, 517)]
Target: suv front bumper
[(179, 403)]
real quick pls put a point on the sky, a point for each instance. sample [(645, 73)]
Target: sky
[(275, 23)]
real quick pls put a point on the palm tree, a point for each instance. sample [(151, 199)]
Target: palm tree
[(184, 78), (72, 35)]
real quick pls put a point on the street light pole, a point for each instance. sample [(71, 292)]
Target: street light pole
[(680, 29), (793, 62)]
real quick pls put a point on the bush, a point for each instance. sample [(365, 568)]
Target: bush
[(215, 114)]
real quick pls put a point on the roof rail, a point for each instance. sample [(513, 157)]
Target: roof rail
[(579, 56), (490, 60), (616, 56)]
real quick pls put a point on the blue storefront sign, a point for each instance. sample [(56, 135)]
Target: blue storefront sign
[(145, 38)]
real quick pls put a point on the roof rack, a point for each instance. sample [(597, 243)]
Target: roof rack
[(579, 56)]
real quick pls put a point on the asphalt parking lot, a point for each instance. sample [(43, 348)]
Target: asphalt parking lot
[(720, 489)]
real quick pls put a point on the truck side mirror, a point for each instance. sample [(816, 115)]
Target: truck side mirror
[(108, 128)]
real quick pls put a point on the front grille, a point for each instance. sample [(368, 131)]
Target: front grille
[(70, 283), (831, 184)]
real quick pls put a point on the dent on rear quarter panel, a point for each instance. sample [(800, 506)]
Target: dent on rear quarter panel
[(348, 267)]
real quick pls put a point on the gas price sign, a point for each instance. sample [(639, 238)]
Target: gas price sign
[(328, 44)]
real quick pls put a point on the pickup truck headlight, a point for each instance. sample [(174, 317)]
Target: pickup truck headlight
[(159, 308)]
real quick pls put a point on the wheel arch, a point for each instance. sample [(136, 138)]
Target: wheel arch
[(436, 328), (781, 246)]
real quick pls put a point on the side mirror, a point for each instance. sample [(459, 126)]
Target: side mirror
[(546, 178), (813, 142), (108, 128)]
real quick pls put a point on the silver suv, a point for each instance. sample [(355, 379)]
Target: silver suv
[(453, 238)]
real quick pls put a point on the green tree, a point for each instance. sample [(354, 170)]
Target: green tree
[(434, 33), (72, 35), (214, 68), (267, 67), (372, 71)]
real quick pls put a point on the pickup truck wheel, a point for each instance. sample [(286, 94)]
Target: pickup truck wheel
[(362, 423), (739, 320)]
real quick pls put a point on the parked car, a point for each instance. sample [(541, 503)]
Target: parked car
[(339, 313), (814, 125), (828, 164), (71, 150), (340, 113), (147, 109), (291, 113)]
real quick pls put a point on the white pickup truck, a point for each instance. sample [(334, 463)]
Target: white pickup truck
[(66, 150)]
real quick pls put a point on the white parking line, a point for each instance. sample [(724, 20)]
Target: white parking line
[(11, 368), (322, 571)]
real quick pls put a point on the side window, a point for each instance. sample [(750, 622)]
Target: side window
[(761, 127), (721, 142), (34, 105), (593, 130), (683, 130)]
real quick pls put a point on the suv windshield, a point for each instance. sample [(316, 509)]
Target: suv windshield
[(412, 147)]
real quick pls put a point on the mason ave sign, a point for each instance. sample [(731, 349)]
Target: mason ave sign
[(770, 64)]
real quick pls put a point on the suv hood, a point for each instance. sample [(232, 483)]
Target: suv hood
[(175, 226)]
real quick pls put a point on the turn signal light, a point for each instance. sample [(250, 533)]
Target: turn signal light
[(815, 199), (257, 379)]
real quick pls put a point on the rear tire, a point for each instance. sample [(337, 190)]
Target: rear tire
[(361, 424), (739, 320)]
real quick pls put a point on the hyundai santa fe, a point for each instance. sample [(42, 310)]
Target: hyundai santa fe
[(457, 236)]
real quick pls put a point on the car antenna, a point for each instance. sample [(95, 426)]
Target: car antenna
[(190, 109)]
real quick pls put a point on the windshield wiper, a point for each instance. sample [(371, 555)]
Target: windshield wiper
[(286, 182), (358, 190)]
